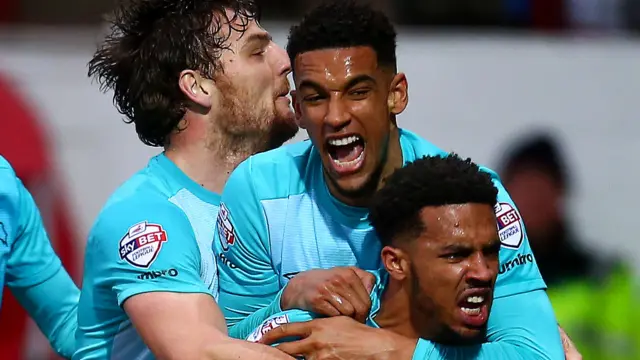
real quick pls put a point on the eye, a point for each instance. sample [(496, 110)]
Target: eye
[(312, 98), (453, 257), (359, 93), (258, 53)]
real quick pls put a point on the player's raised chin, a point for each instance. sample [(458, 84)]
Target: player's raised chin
[(347, 102)]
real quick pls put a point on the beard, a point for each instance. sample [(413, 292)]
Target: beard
[(251, 124)]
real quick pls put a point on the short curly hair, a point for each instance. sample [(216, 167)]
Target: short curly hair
[(429, 181), (150, 43), (344, 24)]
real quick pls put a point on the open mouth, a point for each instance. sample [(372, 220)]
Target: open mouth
[(346, 153), (474, 307)]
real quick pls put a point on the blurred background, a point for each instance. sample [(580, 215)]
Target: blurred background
[(544, 91)]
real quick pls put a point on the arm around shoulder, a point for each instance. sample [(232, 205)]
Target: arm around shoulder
[(189, 326)]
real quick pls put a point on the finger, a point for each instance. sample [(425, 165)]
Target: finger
[(299, 330), (340, 299), (326, 306), (368, 279), (570, 349), (297, 348), (362, 299)]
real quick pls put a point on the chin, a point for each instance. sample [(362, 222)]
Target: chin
[(469, 336), (283, 129), (354, 186)]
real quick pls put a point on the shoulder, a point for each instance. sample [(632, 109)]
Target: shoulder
[(272, 174), (138, 206), (8, 178), (415, 146)]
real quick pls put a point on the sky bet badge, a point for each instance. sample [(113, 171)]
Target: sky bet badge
[(142, 244), (509, 225)]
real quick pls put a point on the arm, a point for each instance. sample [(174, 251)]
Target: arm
[(279, 319), (146, 253), (189, 326), (38, 280), (521, 326), (249, 286)]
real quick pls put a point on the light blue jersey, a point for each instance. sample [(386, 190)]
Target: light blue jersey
[(504, 325), (154, 234), (295, 316), (278, 218), (30, 267)]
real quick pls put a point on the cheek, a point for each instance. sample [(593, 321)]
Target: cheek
[(441, 283), (312, 118)]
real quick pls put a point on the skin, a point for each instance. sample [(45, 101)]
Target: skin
[(343, 92), (219, 131), (455, 256), (346, 92)]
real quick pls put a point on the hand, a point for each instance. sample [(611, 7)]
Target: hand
[(570, 350), (340, 338), (338, 291)]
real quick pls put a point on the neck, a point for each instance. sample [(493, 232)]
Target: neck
[(395, 313), (208, 157), (390, 163)]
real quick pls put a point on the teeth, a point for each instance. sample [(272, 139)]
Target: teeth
[(475, 299), (343, 141), (468, 311), (349, 163)]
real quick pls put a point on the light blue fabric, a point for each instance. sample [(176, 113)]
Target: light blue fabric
[(30, 267), (278, 218), (154, 234)]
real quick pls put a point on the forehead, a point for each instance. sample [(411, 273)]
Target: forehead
[(339, 63), (473, 224), (237, 28)]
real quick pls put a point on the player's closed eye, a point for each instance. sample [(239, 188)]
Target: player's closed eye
[(312, 98)]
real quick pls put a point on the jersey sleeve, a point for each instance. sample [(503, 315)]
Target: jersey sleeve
[(521, 327), (32, 260), (518, 271), (249, 286), (145, 245), (37, 279), (279, 319)]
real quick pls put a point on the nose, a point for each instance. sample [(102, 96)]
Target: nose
[(482, 271), (281, 61), (337, 116)]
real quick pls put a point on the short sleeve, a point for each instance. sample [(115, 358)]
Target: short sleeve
[(145, 245), (518, 272), (32, 260)]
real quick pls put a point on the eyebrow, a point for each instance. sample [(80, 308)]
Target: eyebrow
[(455, 247), (257, 37), (351, 83)]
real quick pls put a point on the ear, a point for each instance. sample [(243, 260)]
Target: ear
[(296, 109), (396, 262), (398, 94), (196, 88)]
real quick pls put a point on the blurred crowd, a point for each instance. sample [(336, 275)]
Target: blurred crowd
[(545, 15)]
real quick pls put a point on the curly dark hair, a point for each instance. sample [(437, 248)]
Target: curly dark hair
[(430, 181), (344, 24), (150, 43)]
